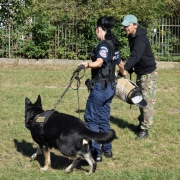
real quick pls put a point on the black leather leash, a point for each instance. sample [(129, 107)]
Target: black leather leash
[(74, 76)]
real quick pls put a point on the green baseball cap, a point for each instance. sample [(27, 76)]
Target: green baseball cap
[(129, 19)]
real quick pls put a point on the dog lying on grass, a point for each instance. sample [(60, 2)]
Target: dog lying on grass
[(64, 132)]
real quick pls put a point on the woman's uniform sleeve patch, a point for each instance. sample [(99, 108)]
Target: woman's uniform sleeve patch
[(103, 53)]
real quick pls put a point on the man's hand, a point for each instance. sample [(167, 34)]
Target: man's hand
[(131, 71)]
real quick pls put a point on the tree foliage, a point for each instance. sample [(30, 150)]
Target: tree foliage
[(14, 11), (81, 16), (38, 40)]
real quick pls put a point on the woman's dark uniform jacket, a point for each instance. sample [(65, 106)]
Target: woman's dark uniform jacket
[(106, 73)]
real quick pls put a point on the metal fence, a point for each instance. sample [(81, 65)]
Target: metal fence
[(167, 36), (166, 39)]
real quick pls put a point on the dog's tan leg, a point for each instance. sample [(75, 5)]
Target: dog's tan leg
[(73, 165), (38, 152), (68, 169), (47, 162), (88, 157)]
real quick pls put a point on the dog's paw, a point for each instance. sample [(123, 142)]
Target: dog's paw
[(88, 173), (34, 156), (67, 170), (44, 169)]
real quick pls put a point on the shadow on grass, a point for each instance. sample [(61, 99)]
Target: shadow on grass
[(57, 161), (80, 111), (121, 123)]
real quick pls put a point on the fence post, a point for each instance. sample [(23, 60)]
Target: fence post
[(9, 40)]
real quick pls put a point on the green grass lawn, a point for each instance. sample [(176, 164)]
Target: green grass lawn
[(155, 158)]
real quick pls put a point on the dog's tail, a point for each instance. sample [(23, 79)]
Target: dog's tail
[(100, 137)]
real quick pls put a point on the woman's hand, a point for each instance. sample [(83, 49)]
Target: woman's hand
[(86, 64)]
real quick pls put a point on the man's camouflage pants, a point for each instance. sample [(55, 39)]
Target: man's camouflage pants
[(147, 83)]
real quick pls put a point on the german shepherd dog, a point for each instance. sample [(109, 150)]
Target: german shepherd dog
[(64, 132)]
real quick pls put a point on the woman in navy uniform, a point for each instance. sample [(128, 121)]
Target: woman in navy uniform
[(104, 57)]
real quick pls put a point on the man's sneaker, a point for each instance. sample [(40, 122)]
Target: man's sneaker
[(98, 158), (142, 134), (108, 154)]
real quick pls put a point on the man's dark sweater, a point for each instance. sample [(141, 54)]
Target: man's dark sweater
[(141, 58)]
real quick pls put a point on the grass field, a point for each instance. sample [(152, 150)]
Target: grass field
[(155, 158)]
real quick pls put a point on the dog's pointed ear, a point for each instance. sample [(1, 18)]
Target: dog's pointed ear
[(38, 101), (27, 101)]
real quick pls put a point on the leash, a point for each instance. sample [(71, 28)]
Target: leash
[(74, 76), (42, 118), (130, 76)]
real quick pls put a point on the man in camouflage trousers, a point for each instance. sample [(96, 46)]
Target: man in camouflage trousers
[(147, 83), (142, 62)]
